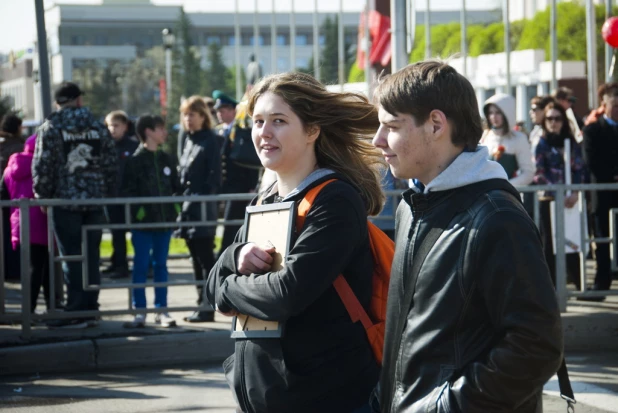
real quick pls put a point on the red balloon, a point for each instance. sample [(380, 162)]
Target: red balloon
[(610, 31)]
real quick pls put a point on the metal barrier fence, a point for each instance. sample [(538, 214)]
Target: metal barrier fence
[(25, 317)]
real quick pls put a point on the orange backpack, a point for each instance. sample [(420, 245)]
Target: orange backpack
[(382, 249)]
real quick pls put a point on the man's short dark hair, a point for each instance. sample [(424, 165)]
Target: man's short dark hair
[(148, 122), (542, 101), (11, 123), (67, 92), (608, 89), (563, 93), (419, 88)]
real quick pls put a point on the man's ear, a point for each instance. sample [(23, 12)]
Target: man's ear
[(313, 132), (438, 123)]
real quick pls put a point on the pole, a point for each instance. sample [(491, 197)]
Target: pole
[(398, 39), (591, 46), (553, 45), (507, 46), (237, 41), (273, 40), (367, 47), (316, 42), (341, 47), (256, 32), (43, 58), (427, 31), (168, 79), (464, 39), (292, 38), (608, 49)]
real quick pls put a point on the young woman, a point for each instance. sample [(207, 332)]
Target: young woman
[(550, 170), (150, 173), (506, 146), (323, 362), (200, 174)]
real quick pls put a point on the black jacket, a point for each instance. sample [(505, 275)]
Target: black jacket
[(483, 333), (601, 156), (125, 147), (149, 174), (235, 178), (200, 174), (74, 158), (323, 363)]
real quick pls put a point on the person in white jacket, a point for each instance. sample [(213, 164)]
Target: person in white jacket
[(506, 146)]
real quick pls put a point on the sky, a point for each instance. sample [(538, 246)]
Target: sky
[(18, 17)]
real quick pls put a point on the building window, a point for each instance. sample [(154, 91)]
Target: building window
[(100, 40), (282, 40), (321, 40), (213, 40), (303, 63), (260, 40), (302, 40), (231, 41)]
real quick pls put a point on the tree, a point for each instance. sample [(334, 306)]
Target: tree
[(329, 57), (142, 79), (217, 75), (187, 74)]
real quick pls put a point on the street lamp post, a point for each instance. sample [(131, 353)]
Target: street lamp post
[(168, 42)]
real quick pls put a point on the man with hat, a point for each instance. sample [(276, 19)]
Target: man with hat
[(236, 178), (75, 159)]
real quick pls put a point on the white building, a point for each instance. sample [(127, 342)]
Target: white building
[(526, 9)]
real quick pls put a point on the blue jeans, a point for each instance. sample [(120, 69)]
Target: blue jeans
[(146, 243), (68, 229)]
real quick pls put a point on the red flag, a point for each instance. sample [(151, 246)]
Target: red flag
[(379, 32)]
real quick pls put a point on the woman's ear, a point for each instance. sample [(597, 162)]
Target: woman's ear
[(313, 132)]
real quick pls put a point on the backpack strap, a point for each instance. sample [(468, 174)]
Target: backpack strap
[(351, 303)]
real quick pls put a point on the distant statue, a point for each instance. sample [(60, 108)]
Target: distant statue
[(254, 71)]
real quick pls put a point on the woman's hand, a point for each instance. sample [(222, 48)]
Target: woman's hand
[(254, 260), (571, 200)]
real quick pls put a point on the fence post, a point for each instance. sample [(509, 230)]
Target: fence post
[(561, 289), (24, 239), (2, 260)]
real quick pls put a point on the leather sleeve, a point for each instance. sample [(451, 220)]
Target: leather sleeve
[(514, 282)]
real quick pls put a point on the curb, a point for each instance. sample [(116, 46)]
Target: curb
[(593, 332), (114, 353)]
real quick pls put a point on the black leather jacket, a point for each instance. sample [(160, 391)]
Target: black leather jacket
[(483, 333)]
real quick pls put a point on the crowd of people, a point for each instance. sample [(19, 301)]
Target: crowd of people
[(471, 321), (539, 159), (74, 156)]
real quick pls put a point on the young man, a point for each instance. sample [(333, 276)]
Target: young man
[(151, 173), (75, 159), (472, 322), (600, 154), (117, 123)]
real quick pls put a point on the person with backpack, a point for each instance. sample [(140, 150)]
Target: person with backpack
[(472, 322), (318, 144)]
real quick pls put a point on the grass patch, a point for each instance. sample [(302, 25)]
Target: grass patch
[(177, 246)]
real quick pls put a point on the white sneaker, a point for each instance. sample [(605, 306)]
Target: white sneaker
[(138, 322), (165, 320)]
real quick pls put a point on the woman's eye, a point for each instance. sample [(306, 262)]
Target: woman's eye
[(258, 121)]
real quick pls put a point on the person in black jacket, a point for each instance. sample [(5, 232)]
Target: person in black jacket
[(150, 173), (118, 123), (601, 156), (472, 322), (200, 174), (323, 362)]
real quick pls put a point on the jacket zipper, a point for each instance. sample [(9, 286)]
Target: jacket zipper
[(243, 385), (159, 185), (408, 252)]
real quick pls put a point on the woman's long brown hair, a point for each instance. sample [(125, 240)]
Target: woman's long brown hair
[(347, 123)]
